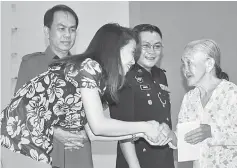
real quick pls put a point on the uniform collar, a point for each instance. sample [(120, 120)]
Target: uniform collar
[(51, 55), (139, 69), (142, 72)]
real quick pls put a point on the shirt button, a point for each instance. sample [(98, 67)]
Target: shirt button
[(144, 150), (154, 81), (148, 94)]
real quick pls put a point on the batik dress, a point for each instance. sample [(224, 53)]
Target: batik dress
[(219, 151), (52, 98)]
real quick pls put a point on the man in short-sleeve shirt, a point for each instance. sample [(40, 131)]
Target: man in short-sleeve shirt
[(60, 24)]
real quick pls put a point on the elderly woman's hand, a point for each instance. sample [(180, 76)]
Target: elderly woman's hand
[(199, 134)]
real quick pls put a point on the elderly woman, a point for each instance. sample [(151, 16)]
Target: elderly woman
[(213, 102)]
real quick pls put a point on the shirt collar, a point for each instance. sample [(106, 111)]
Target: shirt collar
[(50, 54), (142, 71)]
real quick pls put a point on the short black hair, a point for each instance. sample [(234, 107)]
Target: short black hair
[(48, 17), (147, 27)]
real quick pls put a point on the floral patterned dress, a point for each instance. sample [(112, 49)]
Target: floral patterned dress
[(52, 98), (219, 151)]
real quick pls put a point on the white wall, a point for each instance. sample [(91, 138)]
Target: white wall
[(5, 62), (94, 14), (181, 22), (28, 17)]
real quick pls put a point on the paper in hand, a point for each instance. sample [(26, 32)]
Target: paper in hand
[(186, 151)]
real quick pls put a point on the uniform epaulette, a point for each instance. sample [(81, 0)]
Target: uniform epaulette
[(28, 56)]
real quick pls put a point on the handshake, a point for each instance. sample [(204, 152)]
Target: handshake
[(158, 134)]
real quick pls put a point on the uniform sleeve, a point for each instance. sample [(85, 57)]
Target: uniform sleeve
[(24, 74), (226, 132), (89, 75), (124, 110)]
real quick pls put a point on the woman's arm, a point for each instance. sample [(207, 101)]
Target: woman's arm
[(94, 137), (103, 126), (127, 146)]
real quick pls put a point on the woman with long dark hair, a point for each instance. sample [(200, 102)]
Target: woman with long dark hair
[(70, 95)]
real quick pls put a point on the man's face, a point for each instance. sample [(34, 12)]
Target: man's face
[(62, 33), (151, 48)]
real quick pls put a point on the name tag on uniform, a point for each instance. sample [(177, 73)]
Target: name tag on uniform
[(163, 87), (145, 87)]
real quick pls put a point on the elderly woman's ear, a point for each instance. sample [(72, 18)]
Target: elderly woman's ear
[(210, 64)]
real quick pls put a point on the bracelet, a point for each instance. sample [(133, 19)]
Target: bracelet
[(134, 137)]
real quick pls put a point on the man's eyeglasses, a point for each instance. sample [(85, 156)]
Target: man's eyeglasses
[(155, 47)]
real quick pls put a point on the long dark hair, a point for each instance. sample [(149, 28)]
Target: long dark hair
[(105, 49)]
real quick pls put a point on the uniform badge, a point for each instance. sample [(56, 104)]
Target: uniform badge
[(145, 87), (139, 79), (139, 70), (163, 87)]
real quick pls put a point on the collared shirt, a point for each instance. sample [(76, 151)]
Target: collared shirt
[(34, 64), (145, 97)]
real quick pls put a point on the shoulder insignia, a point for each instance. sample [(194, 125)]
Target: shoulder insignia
[(29, 56)]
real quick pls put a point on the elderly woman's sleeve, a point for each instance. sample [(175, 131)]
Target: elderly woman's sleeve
[(226, 132), (182, 117), (183, 112)]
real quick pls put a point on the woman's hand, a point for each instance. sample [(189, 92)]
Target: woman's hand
[(154, 136), (199, 134), (164, 140), (153, 131), (69, 139)]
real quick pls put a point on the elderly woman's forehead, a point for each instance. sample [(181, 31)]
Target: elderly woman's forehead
[(187, 57), (193, 55)]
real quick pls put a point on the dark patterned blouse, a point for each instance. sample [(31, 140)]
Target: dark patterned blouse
[(52, 98)]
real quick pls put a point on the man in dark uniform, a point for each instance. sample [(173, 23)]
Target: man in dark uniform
[(60, 24), (145, 97)]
